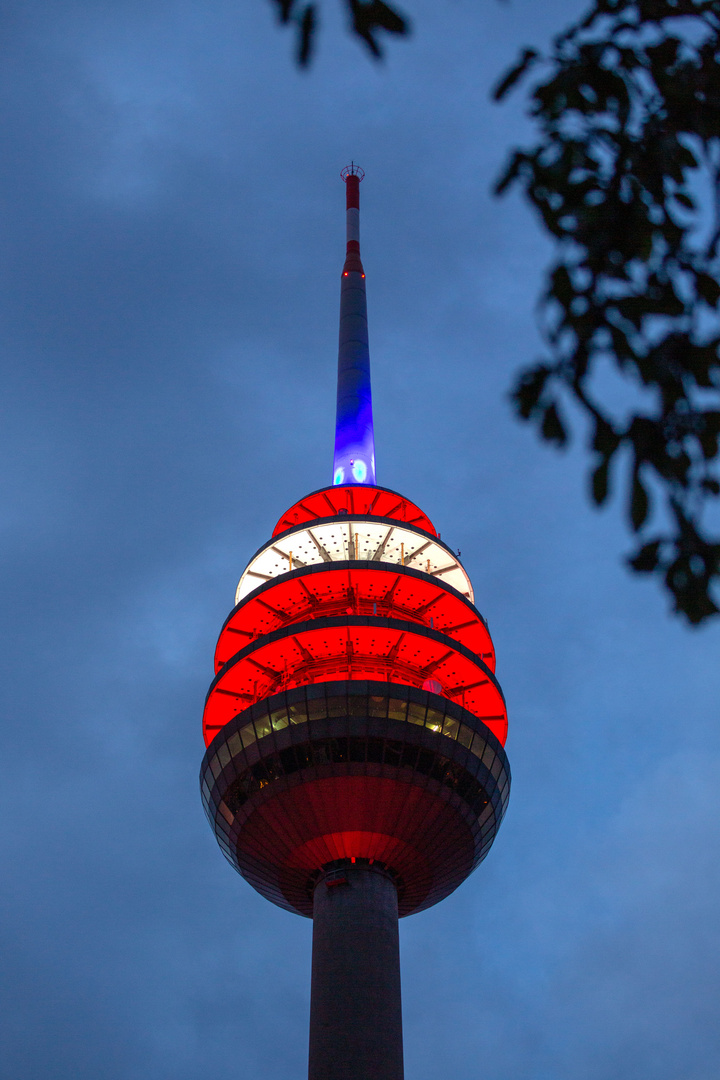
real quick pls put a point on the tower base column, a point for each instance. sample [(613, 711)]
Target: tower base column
[(355, 1007)]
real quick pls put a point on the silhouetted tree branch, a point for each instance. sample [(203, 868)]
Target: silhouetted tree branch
[(367, 19), (625, 176)]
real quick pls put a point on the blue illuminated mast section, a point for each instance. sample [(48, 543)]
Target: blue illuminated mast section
[(354, 461)]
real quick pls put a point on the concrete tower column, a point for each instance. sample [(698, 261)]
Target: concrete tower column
[(355, 1007)]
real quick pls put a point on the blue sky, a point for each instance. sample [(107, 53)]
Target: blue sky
[(172, 226)]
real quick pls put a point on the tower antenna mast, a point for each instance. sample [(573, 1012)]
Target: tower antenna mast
[(354, 459)]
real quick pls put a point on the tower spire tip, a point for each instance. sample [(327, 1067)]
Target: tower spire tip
[(354, 460), (352, 170)]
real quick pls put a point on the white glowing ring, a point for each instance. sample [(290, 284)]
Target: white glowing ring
[(369, 540)]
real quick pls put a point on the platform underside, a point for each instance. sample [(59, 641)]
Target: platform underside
[(320, 788)]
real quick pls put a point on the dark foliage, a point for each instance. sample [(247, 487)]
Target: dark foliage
[(625, 176), (367, 19)]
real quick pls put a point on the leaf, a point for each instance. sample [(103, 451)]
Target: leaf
[(684, 200), (639, 503), (373, 14), (709, 433), (634, 283), (708, 289), (552, 427), (529, 388), (686, 157), (647, 558), (698, 606), (606, 440), (285, 9), (690, 590), (307, 31), (511, 173), (562, 286), (387, 18), (600, 482), (663, 55), (528, 57), (711, 421), (708, 444)]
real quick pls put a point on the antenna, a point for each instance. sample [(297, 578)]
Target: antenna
[(354, 458)]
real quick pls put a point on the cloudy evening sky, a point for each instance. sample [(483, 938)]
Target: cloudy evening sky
[(171, 240)]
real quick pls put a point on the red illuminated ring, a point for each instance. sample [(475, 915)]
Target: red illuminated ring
[(354, 499), (318, 650), (301, 595)]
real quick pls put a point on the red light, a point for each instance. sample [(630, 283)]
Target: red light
[(379, 502), (363, 275), (318, 652), (331, 882), (345, 274), (381, 589)]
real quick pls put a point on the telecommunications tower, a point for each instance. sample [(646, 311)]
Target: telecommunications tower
[(355, 770)]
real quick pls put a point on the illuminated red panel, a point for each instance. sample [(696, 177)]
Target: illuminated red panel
[(381, 589), (394, 652), (354, 499)]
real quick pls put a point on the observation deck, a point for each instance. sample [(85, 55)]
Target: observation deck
[(355, 717)]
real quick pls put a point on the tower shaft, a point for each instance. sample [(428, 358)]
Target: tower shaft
[(355, 1008)]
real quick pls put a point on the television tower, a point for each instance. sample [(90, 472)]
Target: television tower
[(355, 770)]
